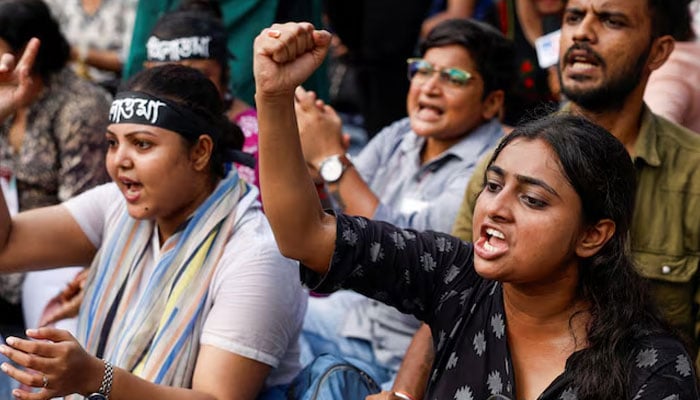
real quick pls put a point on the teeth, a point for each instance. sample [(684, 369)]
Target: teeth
[(495, 233), (489, 247), (581, 65)]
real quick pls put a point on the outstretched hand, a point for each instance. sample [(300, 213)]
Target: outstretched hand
[(54, 363), (285, 55), (15, 79)]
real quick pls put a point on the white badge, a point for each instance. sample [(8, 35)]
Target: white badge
[(8, 184), (547, 47), (410, 206)]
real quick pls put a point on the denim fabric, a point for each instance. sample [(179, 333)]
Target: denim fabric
[(322, 334)]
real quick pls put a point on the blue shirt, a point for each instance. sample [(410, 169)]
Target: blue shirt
[(411, 196)]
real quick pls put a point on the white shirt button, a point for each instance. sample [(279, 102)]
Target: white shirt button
[(665, 270)]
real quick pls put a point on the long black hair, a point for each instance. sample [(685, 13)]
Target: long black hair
[(601, 172), (190, 88)]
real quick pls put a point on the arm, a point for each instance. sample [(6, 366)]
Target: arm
[(256, 312), (69, 369), (321, 137), (45, 236), (284, 57), (416, 365)]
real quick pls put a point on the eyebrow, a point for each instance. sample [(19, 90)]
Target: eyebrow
[(524, 179), (131, 133)]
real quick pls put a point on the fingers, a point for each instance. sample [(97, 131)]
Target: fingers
[(7, 63), (21, 350), (52, 334), (26, 62), (304, 99), (286, 42), (26, 377)]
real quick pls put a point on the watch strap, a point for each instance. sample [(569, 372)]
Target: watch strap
[(107, 378)]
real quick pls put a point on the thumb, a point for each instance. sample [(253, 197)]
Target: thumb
[(322, 41)]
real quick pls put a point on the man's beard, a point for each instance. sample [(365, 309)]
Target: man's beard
[(612, 94)]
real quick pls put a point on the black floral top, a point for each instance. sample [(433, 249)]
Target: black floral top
[(432, 276), (62, 151)]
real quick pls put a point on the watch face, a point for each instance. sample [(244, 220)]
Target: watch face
[(97, 396), (331, 170)]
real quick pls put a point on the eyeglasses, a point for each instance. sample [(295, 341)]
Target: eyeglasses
[(419, 71)]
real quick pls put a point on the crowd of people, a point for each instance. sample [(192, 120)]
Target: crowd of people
[(183, 214)]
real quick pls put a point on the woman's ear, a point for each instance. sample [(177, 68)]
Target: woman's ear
[(492, 104), (200, 153), (594, 237)]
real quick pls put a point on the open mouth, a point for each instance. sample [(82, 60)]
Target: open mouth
[(132, 188), (428, 111), (495, 239), (491, 243), (582, 59)]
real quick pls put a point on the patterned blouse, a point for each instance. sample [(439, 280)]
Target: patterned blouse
[(62, 152), (432, 276), (109, 28)]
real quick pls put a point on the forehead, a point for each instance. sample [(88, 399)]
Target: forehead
[(150, 130), (636, 10), (452, 55), (533, 158)]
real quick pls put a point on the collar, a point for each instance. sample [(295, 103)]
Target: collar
[(471, 147), (645, 148)]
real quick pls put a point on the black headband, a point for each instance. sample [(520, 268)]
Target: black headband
[(183, 48), (142, 108)]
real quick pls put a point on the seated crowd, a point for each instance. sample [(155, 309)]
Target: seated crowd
[(530, 229)]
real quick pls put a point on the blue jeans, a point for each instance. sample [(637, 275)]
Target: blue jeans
[(274, 393), (320, 334)]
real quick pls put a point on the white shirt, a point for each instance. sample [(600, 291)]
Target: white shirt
[(258, 302)]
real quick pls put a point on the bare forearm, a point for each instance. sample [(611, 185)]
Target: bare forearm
[(417, 363), (353, 194), (291, 202), (127, 386)]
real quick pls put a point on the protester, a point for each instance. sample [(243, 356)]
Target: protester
[(606, 57), (50, 145), (188, 296), (412, 173), (546, 297)]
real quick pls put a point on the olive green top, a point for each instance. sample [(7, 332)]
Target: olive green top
[(665, 231)]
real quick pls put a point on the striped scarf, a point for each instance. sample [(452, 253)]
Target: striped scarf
[(152, 328)]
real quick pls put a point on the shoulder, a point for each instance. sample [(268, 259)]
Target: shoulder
[(672, 136), (251, 248), (662, 366)]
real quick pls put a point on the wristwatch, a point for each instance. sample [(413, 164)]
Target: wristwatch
[(333, 167), (106, 385)]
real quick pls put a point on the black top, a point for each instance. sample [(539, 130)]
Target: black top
[(432, 276)]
